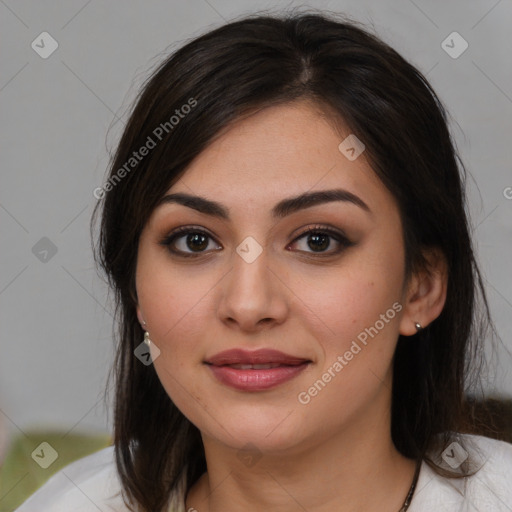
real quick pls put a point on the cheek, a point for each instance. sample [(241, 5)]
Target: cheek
[(176, 303), (174, 310), (171, 297), (358, 301), (360, 322)]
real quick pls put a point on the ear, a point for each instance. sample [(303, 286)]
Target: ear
[(426, 293), (140, 318)]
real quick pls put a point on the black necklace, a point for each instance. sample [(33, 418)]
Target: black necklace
[(408, 499)]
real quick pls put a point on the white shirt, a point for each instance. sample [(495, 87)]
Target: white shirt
[(91, 484)]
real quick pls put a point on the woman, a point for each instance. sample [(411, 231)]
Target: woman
[(285, 232)]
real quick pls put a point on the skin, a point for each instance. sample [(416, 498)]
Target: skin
[(334, 453)]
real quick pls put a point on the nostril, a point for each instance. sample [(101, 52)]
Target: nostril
[(265, 320)]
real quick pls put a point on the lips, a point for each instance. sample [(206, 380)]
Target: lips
[(255, 371), (255, 358)]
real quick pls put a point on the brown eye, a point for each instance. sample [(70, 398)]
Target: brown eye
[(188, 242), (320, 239)]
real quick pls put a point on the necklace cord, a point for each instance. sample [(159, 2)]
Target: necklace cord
[(408, 499)]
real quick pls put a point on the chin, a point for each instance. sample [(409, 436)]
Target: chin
[(268, 433)]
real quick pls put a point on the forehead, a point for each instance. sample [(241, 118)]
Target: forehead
[(278, 152)]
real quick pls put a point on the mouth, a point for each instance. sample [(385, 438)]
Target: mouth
[(255, 371), (263, 366)]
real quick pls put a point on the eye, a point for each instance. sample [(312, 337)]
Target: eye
[(319, 240), (188, 242)]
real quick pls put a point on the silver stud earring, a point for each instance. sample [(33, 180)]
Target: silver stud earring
[(147, 341), (418, 326)]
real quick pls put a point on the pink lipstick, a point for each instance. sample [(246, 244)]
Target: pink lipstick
[(257, 370)]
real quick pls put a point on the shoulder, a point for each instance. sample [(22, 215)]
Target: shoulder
[(86, 485), (489, 488)]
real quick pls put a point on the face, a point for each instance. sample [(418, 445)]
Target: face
[(329, 300)]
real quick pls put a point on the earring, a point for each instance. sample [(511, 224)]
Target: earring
[(147, 341), (418, 326)]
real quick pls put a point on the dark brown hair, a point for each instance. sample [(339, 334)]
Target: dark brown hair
[(230, 72)]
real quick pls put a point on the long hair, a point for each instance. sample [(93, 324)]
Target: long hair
[(232, 71)]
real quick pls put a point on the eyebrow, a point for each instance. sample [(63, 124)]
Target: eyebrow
[(282, 209)]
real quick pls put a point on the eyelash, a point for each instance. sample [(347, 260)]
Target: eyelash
[(170, 239)]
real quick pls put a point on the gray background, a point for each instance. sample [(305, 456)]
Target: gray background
[(61, 115)]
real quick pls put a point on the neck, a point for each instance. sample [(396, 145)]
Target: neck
[(357, 469)]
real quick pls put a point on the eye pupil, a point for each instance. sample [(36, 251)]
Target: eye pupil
[(193, 239), (323, 239)]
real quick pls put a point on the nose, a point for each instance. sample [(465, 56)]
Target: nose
[(253, 296)]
